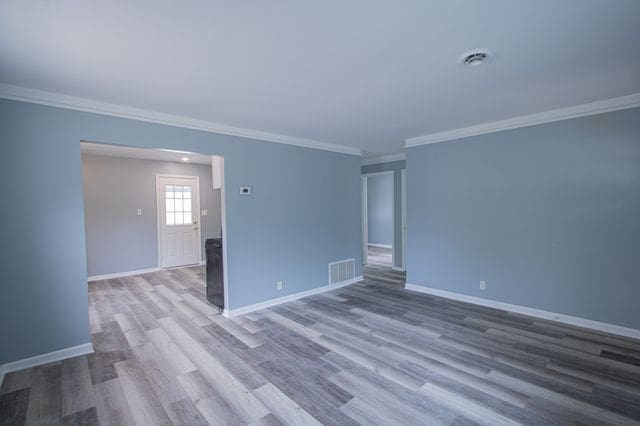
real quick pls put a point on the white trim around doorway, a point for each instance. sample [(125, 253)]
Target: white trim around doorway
[(403, 209), (365, 215)]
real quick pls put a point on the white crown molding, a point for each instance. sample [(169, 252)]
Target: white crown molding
[(21, 364), (383, 159), (598, 107), (41, 97), (532, 312), (295, 296)]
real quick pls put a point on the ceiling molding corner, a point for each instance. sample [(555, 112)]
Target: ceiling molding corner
[(592, 108), (41, 97), (383, 159)]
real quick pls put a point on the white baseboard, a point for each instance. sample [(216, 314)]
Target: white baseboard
[(398, 268), (533, 312), (295, 296), (380, 245), (21, 364), (122, 274)]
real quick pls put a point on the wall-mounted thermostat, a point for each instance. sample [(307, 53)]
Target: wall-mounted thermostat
[(245, 190)]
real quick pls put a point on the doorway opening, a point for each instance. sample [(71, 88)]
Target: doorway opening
[(150, 213), (378, 219)]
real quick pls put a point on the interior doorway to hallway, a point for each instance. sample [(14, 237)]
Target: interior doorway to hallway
[(378, 218), (384, 215)]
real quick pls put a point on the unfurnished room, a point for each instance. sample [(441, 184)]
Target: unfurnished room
[(303, 213)]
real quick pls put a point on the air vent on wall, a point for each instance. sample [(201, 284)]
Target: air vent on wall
[(341, 271)]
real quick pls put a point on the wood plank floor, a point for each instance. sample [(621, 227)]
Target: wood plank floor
[(379, 256), (369, 353)]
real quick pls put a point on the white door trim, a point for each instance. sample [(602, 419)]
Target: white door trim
[(223, 218), (196, 211), (403, 228), (365, 214), (365, 221), (374, 174)]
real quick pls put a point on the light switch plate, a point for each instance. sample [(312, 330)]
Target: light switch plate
[(204, 212), (245, 190)]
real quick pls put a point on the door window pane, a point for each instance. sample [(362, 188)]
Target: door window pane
[(179, 218), (178, 204)]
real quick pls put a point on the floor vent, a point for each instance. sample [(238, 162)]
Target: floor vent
[(341, 271)]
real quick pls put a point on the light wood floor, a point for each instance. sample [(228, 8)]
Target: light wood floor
[(370, 353)]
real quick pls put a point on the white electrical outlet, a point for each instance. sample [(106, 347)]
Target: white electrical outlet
[(279, 285), (483, 285), (139, 212), (204, 212)]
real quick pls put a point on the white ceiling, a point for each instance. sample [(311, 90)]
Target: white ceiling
[(93, 148), (360, 73)]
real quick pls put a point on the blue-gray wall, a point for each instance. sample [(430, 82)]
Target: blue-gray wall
[(396, 167), (118, 240), (548, 216), (287, 230), (380, 209)]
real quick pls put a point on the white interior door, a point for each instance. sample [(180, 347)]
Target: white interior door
[(178, 208)]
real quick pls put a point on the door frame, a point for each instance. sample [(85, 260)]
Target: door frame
[(403, 206), (196, 210), (364, 219), (223, 223), (365, 215)]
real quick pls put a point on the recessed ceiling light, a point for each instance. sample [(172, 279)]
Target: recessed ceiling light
[(185, 159), (475, 58)]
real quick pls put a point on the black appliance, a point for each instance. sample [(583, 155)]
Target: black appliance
[(215, 281)]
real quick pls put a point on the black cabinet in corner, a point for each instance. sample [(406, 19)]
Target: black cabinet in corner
[(215, 281)]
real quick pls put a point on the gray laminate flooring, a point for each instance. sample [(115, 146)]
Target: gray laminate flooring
[(369, 353), (380, 256)]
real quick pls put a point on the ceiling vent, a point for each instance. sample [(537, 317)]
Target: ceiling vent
[(474, 58)]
